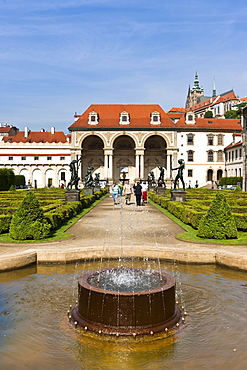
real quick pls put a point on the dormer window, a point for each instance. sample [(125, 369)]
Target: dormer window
[(93, 118), (190, 118), (155, 118), (124, 118)]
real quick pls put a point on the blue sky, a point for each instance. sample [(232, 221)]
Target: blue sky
[(57, 57)]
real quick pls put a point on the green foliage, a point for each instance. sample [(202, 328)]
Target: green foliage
[(20, 180), (28, 221), (208, 114), (12, 188), (230, 180), (7, 178), (232, 114), (218, 223), (238, 189)]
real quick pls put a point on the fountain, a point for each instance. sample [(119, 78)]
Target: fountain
[(126, 301)]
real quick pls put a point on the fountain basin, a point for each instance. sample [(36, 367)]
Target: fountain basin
[(126, 301)]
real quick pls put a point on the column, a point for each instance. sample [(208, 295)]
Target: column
[(106, 161), (137, 165), (142, 165), (110, 174), (168, 166)]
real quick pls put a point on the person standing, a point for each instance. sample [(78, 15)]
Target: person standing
[(138, 193), (115, 190), (144, 192), (127, 191)]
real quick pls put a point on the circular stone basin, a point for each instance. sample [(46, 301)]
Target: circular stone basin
[(126, 301)]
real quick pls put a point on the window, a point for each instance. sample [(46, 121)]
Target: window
[(210, 139), (240, 153), (36, 158), (236, 153), (220, 140), (190, 173), (190, 156), (23, 158), (155, 118), (124, 118), (190, 139), (48, 158), (10, 158), (62, 158), (210, 156), (93, 118), (190, 117), (226, 154), (63, 176), (220, 156)]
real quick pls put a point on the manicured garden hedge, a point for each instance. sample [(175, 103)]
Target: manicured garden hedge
[(57, 210), (198, 202)]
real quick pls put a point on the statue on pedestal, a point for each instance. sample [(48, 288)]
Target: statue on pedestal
[(74, 179), (179, 176)]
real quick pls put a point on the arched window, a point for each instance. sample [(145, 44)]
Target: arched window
[(210, 156), (220, 139), (190, 156)]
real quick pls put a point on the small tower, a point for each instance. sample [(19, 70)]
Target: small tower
[(194, 93), (214, 90)]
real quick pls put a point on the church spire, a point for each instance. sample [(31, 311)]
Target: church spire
[(196, 86)]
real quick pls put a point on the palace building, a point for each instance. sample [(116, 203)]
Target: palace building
[(138, 138)]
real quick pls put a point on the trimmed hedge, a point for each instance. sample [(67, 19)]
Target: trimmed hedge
[(198, 202)]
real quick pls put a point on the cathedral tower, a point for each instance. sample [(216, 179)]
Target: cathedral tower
[(194, 93)]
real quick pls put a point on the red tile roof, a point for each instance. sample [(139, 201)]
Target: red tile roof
[(5, 129), (37, 137), (212, 101), (243, 99), (179, 110), (239, 143), (109, 116)]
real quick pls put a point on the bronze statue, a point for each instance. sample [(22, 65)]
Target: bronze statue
[(179, 176), (89, 178), (96, 179), (74, 179), (161, 180), (151, 179)]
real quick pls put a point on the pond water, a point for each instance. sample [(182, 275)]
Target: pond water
[(35, 332)]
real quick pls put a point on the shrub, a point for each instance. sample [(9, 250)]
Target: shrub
[(7, 178), (218, 223), (20, 180), (28, 221)]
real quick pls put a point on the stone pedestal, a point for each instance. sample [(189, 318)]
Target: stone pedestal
[(178, 195), (160, 191), (97, 188), (72, 195), (151, 188), (88, 191)]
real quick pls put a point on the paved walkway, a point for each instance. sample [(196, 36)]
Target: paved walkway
[(122, 230)]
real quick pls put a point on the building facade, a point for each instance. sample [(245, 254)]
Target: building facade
[(137, 139), (42, 157)]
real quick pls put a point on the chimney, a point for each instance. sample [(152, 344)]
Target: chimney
[(52, 130), (26, 132)]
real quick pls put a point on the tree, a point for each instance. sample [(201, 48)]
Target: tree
[(218, 223), (28, 221), (208, 114), (235, 113)]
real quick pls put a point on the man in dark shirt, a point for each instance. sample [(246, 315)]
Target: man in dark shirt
[(138, 193)]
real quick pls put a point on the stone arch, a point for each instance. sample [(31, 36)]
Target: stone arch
[(219, 174), (123, 157), (89, 134), (92, 152), (37, 178), (120, 134), (165, 137), (155, 154), (50, 178), (26, 174)]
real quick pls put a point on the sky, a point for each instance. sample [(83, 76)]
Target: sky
[(59, 56)]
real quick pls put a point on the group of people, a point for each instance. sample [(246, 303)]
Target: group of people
[(139, 190)]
